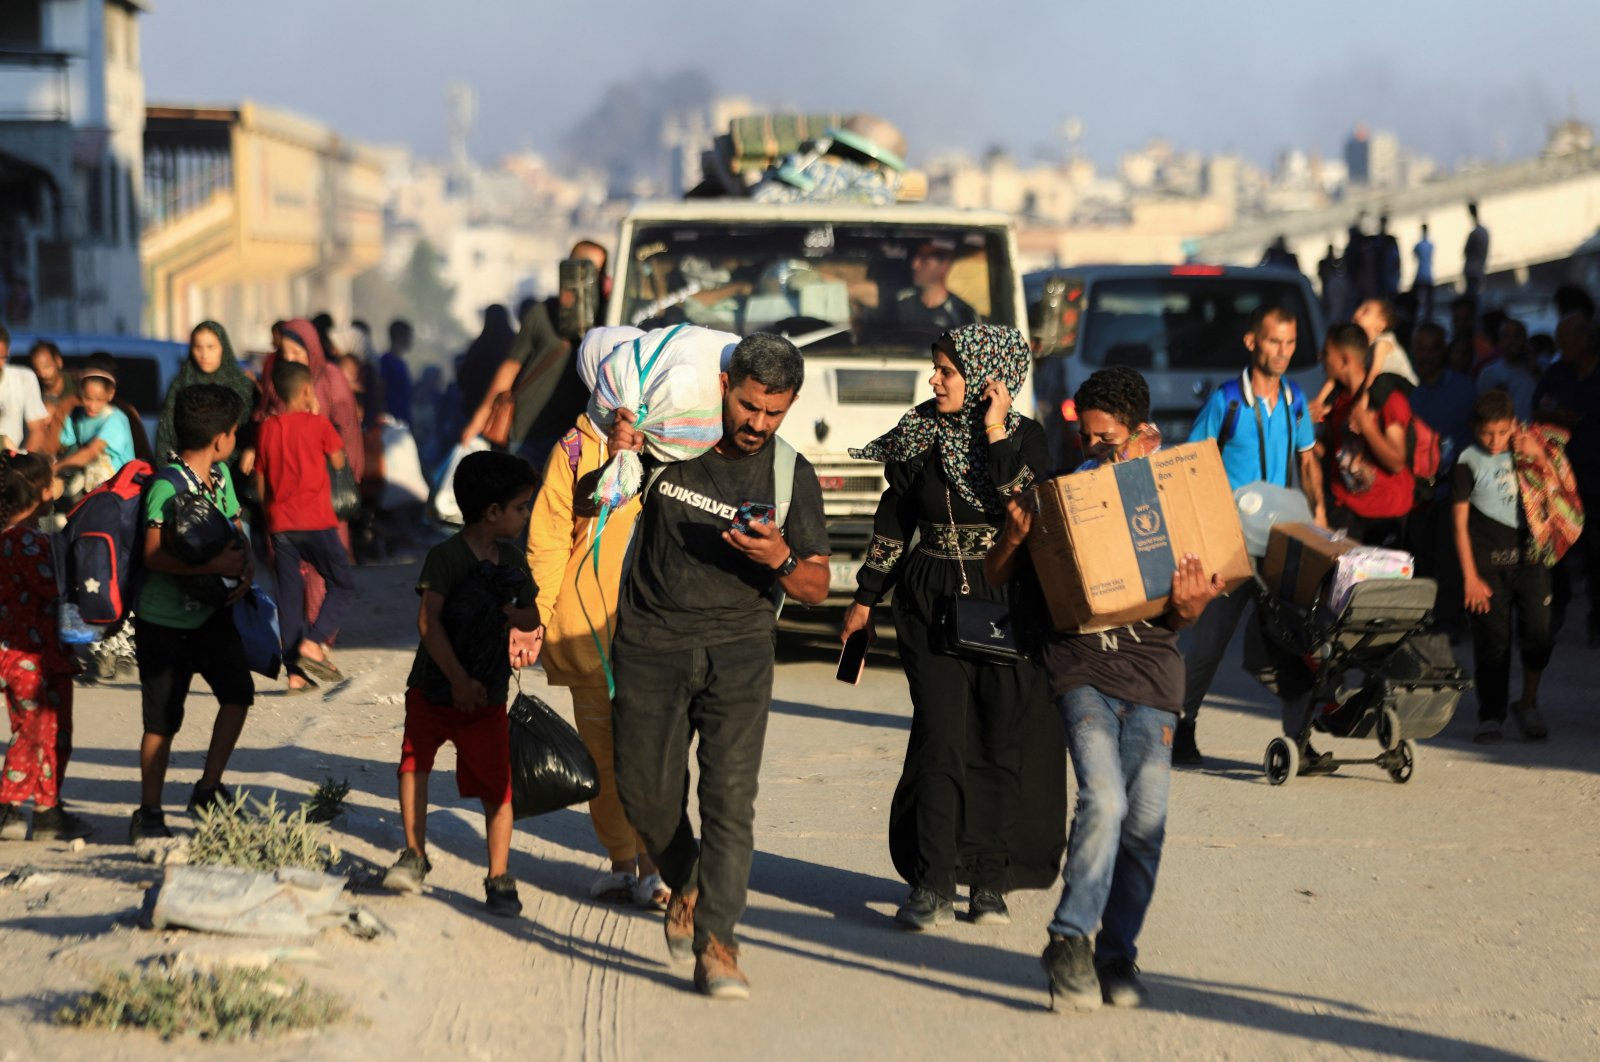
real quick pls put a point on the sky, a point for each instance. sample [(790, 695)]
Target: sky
[(1246, 76)]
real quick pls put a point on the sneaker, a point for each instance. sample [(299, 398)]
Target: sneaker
[(717, 973), (408, 872), (680, 926), (208, 796), (13, 827), (1069, 962), (58, 824), (1185, 753), (1489, 732), (500, 893), (988, 908), (1530, 722), (148, 824), (1119, 983), (1315, 762), (925, 909), (614, 886), (651, 893)]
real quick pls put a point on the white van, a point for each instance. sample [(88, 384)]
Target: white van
[(829, 277)]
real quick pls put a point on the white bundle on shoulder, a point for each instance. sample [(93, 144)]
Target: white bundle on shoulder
[(670, 379)]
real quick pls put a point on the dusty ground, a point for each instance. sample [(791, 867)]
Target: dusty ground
[(1454, 917)]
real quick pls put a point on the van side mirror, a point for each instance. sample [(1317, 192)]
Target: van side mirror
[(1060, 310)]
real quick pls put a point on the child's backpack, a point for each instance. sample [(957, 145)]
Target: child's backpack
[(1424, 449), (103, 544)]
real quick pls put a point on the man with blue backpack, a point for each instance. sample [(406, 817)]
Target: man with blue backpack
[(1263, 429)]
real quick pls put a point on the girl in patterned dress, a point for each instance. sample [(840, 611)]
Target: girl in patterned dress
[(35, 669)]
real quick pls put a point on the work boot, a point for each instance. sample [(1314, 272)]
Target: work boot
[(988, 908), (1185, 753), (680, 925), (717, 973), (925, 909), (1074, 983), (58, 824), (148, 824), (1119, 983), (408, 872)]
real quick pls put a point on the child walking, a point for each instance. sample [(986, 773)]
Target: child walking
[(495, 492), (1504, 586), (177, 637), (35, 669), (291, 476)]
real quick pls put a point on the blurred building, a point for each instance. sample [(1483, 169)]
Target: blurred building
[(1373, 158), (71, 128), (253, 214)]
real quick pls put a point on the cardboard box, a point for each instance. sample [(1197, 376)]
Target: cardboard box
[(1300, 557), (1106, 542)]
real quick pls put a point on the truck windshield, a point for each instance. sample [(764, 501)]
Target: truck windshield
[(1183, 323), (837, 288)]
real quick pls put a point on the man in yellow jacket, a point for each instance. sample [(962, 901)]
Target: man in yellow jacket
[(578, 588)]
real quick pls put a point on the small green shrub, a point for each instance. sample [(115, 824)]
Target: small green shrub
[(229, 1005), (247, 833), (327, 800)]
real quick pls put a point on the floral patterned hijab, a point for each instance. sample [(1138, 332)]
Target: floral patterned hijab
[(980, 352)]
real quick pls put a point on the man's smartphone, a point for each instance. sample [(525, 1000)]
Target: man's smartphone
[(751, 513), (853, 660)]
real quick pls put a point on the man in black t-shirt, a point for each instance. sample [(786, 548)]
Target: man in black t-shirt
[(1120, 694), (694, 644)]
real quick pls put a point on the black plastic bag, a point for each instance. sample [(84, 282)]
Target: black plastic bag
[(346, 498), (473, 619), (550, 767), (196, 532)]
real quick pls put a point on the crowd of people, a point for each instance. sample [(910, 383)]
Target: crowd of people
[(660, 616)]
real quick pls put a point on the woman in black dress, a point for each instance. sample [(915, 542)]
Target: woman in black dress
[(982, 797)]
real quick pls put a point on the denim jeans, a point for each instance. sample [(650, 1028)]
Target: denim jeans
[(1122, 756)]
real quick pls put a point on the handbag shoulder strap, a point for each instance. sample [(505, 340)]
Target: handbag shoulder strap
[(961, 562)]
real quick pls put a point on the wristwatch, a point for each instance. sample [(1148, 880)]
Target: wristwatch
[(788, 566)]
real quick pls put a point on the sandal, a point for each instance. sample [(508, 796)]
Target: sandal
[(613, 887), (652, 893), (323, 669)]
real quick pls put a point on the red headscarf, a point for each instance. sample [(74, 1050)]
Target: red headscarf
[(334, 399)]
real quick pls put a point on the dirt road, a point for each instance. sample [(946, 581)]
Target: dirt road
[(1453, 917)]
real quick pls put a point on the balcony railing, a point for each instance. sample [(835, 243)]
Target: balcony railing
[(177, 182), (34, 86)]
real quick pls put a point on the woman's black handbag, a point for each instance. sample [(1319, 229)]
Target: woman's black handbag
[(346, 498), (972, 627), (550, 767)]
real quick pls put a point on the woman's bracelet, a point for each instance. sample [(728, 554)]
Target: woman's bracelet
[(994, 428)]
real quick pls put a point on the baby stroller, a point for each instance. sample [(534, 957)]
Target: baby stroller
[(1409, 682)]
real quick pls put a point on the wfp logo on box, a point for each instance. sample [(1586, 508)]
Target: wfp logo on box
[(1147, 527)]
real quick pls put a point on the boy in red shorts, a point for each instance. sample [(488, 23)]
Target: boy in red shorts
[(495, 492)]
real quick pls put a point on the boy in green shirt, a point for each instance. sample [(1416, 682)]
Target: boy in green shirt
[(175, 636)]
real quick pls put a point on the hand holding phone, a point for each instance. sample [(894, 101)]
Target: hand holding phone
[(751, 513), (853, 659)]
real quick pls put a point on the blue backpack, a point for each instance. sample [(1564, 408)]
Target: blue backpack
[(1233, 393)]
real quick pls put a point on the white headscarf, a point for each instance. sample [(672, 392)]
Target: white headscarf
[(596, 344)]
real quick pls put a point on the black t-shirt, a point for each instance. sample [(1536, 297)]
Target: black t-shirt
[(909, 310), (1138, 663), (688, 587)]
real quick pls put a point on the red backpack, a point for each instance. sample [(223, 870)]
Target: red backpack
[(1424, 453), (103, 545)]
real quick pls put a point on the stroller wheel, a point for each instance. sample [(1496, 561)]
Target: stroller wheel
[(1282, 761), (1402, 761), (1389, 729)]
